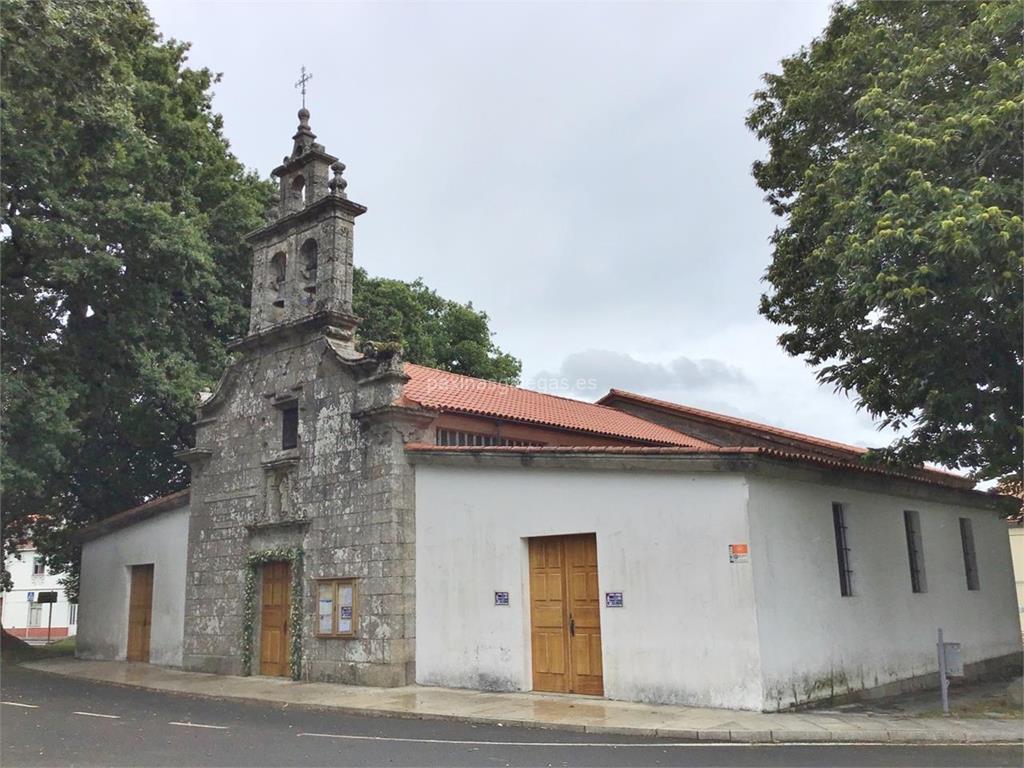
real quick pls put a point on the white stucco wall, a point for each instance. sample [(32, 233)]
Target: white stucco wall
[(814, 640), (105, 585), (686, 633)]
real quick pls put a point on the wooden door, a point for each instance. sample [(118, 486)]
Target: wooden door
[(548, 615), (565, 614), (584, 614), (140, 612), (276, 605)]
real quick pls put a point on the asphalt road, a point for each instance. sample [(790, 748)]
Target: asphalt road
[(49, 720)]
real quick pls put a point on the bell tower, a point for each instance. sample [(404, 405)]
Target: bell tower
[(302, 258)]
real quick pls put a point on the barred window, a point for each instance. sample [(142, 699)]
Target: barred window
[(842, 550), (970, 557), (915, 550), (457, 437), (290, 427)]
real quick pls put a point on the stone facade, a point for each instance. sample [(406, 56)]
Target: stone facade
[(345, 492)]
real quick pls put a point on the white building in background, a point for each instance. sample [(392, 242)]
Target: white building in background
[(1017, 552), (22, 614)]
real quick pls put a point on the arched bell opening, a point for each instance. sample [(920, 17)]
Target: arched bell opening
[(299, 189), (309, 256), (278, 277)]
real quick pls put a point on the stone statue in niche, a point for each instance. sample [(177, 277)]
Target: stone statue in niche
[(279, 503), (284, 496)]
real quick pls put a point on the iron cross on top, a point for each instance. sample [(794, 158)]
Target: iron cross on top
[(301, 83)]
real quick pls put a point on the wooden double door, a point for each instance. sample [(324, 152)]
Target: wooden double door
[(275, 604), (140, 613), (565, 614)]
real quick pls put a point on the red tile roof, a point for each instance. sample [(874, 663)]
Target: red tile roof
[(452, 392), (790, 442), (733, 422)]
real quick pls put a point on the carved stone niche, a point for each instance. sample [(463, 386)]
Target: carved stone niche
[(279, 507)]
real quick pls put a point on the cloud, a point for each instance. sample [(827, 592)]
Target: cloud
[(593, 372)]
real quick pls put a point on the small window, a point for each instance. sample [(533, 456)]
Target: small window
[(38, 566), (35, 614), (842, 550), (72, 614), (290, 426), (915, 551), (970, 558), (336, 608)]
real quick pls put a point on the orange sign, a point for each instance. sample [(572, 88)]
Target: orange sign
[(739, 553)]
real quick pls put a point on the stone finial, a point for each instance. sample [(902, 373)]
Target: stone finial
[(304, 137), (337, 184)]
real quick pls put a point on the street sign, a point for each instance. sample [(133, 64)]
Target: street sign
[(739, 553), (47, 597), (612, 599), (501, 598), (31, 597)]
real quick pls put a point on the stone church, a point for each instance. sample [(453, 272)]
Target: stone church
[(357, 519)]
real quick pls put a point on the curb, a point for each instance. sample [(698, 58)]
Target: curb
[(716, 735)]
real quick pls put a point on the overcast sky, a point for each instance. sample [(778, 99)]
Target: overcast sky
[(579, 171)]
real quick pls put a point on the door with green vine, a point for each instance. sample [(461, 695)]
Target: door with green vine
[(274, 629)]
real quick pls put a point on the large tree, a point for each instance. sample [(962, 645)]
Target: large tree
[(895, 160), (124, 268), (432, 330)]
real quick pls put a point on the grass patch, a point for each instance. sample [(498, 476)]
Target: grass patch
[(14, 650), (990, 708)]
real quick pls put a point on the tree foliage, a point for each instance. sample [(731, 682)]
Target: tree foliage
[(124, 272), (433, 331), (124, 268), (895, 163)]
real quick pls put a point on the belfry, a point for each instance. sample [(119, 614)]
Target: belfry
[(302, 258)]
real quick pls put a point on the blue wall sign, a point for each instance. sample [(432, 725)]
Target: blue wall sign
[(612, 599), (501, 598)]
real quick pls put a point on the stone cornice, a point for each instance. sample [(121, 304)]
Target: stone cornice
[(312, 211), (418, 417), (336, 325), (194, 457), (299, 161)]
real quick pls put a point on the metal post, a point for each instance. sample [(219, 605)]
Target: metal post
[(943, 680), (49, 623)]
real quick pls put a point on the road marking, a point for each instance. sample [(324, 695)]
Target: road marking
[(19, 704), (97, 714), (200, 725)]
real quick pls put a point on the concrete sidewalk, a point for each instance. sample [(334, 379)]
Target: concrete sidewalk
[(538, 710)]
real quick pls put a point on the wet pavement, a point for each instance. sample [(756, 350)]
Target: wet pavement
[(568, 713)]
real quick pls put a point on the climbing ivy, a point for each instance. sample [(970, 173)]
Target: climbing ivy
[(292, 555)]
